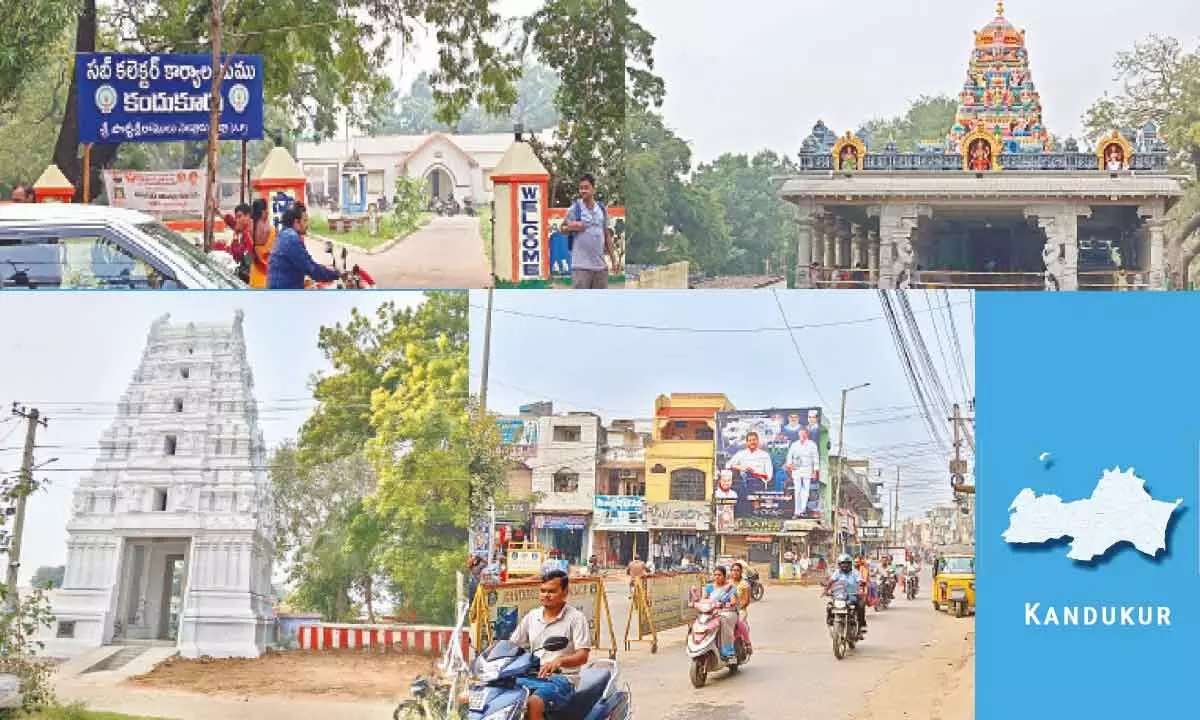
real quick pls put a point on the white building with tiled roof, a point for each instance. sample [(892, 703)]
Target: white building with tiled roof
[(458, 164)]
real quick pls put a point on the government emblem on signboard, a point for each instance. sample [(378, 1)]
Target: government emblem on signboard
[(106, 99), (239, 98)]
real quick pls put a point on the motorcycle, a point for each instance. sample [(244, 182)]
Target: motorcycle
[(910, 587), (495, 694), (842, 620), (886, 592), (352, 278), (428, 701), (757, 590), (702, 646)]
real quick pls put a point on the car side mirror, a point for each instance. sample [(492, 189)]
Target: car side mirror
[(556, 643)]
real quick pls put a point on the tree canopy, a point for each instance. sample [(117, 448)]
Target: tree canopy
[(31, 29), (927, 119)]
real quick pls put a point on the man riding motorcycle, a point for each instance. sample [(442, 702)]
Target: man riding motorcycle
[(854, 582)]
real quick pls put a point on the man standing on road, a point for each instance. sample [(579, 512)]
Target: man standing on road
[(590, 239), (554, 685)]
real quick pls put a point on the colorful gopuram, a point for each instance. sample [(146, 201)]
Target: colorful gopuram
[(998, 202)]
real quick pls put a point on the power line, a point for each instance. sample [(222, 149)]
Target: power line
[(796, 347), (685, 329)]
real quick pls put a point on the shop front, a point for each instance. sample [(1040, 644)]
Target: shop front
[(564, 532), (679, 530), (620, 530)]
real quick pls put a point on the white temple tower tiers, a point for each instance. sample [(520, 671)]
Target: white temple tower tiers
[(170, 538)]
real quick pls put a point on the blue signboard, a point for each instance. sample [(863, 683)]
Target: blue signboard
[(165, 98)]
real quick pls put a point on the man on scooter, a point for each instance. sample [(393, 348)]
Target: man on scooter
[(554, 685), (846, 573)]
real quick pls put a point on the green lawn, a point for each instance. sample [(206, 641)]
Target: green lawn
[(77, 713), (389, 229)]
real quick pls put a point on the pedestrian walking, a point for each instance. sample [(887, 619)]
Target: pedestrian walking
[(589, 239)]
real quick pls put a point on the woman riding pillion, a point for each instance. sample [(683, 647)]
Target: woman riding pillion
[(737, 573)]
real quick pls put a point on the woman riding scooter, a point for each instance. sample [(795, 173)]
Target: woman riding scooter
[(721, 591)]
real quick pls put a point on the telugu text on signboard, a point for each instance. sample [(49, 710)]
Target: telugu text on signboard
[(620, 511), (508, 602), (173, 193), (667, 597), (165, 98)]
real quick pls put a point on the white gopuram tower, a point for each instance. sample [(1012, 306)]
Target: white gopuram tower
[(171, 534)]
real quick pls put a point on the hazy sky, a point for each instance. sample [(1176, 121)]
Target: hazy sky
[(759, 74), (73, 354), (583, 352)]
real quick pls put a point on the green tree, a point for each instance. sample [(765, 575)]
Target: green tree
[(21, 619), (656, 161), (927, 119), (1160, 83), (761, 225), (699, 232), (31, 30), (320, 58), (414, 111), (605, 60)]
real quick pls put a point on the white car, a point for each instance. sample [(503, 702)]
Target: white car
[(53, 245)]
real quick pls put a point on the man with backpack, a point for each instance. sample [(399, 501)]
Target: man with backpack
[(590, 239)]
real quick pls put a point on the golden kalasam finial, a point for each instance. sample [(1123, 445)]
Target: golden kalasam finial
[(999, 8)]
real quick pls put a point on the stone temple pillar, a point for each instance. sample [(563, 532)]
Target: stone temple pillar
[(804, 250), (858, 254), (1061, 250), (1157, 266), (873, 256), (842, 256), (897, 257), (831, 241)]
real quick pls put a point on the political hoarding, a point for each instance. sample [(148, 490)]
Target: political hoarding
[(170, 193), (165, 97), (770, 465)]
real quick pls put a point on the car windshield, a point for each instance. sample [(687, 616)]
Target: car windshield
[(958, 565), (187, 251)]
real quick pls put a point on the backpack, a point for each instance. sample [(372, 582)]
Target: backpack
[(577, 209)]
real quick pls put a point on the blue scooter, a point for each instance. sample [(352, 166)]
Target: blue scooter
[(495, 694)]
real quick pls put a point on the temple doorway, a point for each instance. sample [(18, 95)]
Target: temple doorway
[(153, 582)]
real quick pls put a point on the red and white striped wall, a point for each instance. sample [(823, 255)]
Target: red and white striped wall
[(398, 638)]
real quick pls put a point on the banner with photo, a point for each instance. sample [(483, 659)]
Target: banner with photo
[(769, 465)]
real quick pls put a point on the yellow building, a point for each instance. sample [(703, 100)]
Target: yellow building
[(680, 464)]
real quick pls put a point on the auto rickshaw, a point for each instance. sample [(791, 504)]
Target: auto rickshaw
[(954, 583)]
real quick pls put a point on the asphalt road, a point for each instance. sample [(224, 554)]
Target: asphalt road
[(793, 673)]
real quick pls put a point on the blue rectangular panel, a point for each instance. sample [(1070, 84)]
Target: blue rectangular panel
[(1099, 381), (165, 98)]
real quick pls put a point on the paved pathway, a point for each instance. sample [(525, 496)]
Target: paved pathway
[(445, 253)]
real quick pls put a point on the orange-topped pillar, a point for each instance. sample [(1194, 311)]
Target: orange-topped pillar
[(521, 202), (53, 187), (280, 182)]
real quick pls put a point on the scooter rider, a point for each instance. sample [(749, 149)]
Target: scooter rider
[(846, 573), (551, 690), (723, 592)]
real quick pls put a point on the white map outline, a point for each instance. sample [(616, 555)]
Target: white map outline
[(1118, 510)]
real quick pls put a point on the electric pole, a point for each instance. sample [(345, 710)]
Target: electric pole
[(958, 466), (23, 488), (483, 393), (896, 509), (837, 479)]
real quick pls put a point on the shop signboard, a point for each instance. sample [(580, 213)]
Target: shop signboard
[(678, 515), (620, 512), (560, 522), (870, 532)]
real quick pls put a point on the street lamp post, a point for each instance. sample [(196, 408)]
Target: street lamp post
[(837, 478)]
